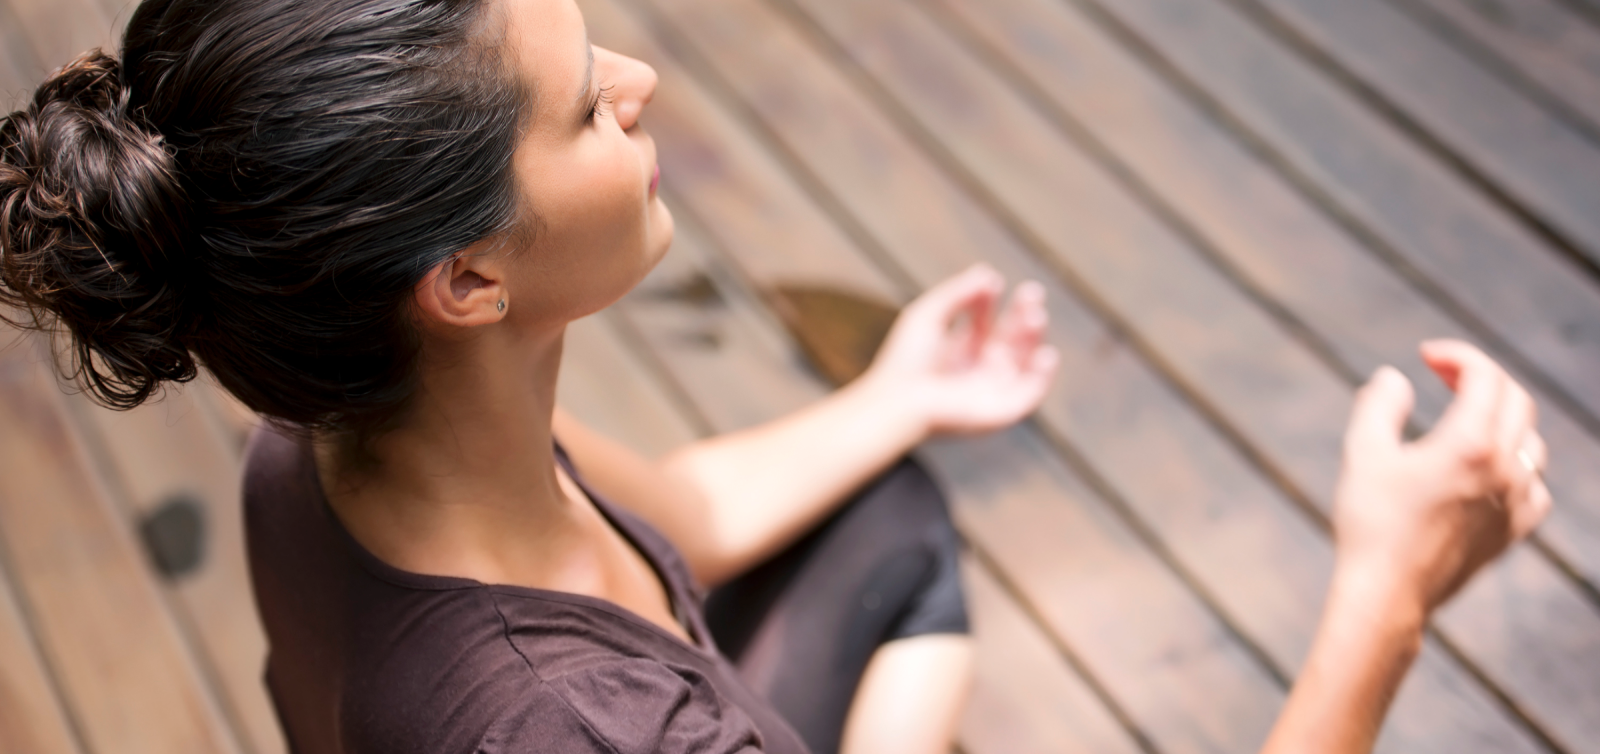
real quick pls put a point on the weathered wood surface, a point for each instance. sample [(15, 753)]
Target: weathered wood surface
[(1537, 158), (101, 622), (1330, 293), (1239, 209), (1543, 47), (175, 452), (601, 383), (847, 147), (1452, 242), (31, 716)]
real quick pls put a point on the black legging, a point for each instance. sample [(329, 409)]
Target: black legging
[(802, 626)]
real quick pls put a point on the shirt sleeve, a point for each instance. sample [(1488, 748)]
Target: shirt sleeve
[(627, 706)]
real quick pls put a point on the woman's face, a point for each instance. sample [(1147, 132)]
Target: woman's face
[(585, 168)]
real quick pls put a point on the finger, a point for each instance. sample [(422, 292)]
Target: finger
[(972, 293), (981, 315), (1379, 415), (1537, 452), (1479, 384), (1515, 423), (1531, 509), (1022, 326), (1033, 384), (1044, 363), (1522, 484)]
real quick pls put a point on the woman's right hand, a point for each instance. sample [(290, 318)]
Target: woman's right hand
[(1414, 520)]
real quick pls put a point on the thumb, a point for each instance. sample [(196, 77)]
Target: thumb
[(1380, 412)]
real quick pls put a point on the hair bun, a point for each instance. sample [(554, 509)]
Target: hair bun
[(91, 219)]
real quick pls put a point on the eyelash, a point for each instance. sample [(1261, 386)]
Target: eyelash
[(601, 103)]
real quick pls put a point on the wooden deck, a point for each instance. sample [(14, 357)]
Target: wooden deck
[(1239, 207)]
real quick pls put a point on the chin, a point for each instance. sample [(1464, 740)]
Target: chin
[(661, 230)]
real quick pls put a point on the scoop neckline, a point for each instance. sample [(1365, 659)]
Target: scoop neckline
[(381, 569)]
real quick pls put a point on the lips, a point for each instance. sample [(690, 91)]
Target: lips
[(655, 180)]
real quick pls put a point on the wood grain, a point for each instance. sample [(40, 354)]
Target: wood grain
[(1547, 165), (863, 161), (1543, 40), (31, 716), (173, 448), (17, 61), (116, 652), (1279, 246), (235, 419), (1024, 700), (1450, 240), (60, 30), (610, 388)]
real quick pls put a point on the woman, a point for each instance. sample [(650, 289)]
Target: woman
[(372, 220)]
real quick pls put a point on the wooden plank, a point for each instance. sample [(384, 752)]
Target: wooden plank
[(118, 656), (236, 420), (1451, 242), (169, 451), (31, 717), (1278, 243), (1024, 698), (217, 602), (1589, 8), (1291, 399), (117, 13), (60, 30), (611, 389), (1542, 40), (1177, 671), (16, 61), (1559, 704), (1547, 165)]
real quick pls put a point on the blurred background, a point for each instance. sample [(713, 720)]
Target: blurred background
[(1240, 208)]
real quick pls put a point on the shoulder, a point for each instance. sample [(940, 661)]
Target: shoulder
[(623, 705)]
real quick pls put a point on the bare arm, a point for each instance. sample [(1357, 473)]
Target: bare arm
[(954, 362), (731, 500), (1413, 522)]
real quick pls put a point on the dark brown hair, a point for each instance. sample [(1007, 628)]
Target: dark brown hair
[(256, 188)]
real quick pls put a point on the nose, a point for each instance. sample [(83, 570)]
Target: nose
[(633, 83)]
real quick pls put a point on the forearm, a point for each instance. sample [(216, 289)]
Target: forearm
[(1368, 638), (765, 486)]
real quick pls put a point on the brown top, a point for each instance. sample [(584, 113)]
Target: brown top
[(369, 658)]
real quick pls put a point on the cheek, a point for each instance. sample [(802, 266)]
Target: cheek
[(596, 237)]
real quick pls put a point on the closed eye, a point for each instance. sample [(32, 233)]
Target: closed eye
[(600, 104)]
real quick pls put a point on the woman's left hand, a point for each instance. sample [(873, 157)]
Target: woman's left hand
[(966, 365)]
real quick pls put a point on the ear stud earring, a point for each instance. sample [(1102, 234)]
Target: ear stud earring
[(501, 307)]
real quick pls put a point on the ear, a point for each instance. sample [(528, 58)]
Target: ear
[(464, 290)]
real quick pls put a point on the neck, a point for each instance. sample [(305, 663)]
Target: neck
[(466, 484)]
